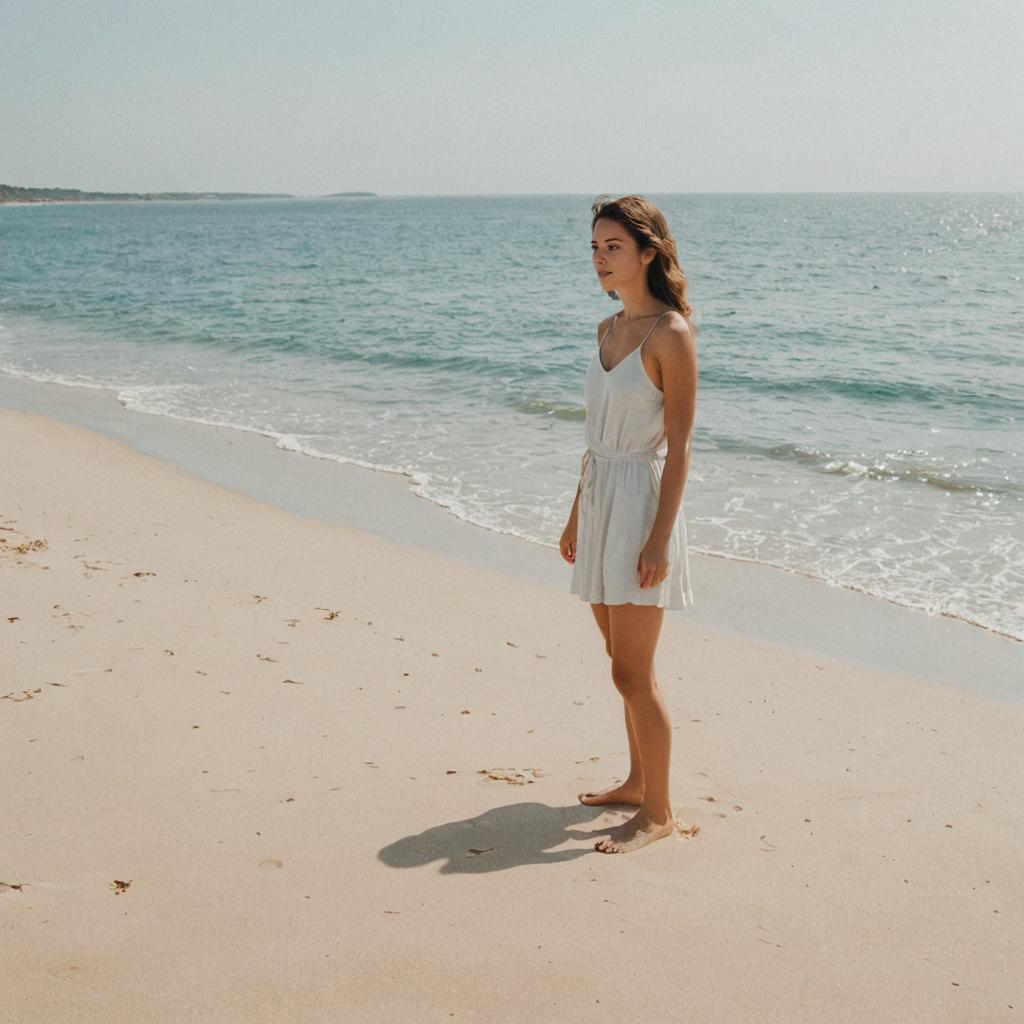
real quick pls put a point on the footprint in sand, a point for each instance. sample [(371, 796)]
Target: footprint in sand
[(25, 695), (24, 547), (513, 776), (717, 798), (64, 971)]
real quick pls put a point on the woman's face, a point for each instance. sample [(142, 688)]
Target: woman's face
[(617, 257)]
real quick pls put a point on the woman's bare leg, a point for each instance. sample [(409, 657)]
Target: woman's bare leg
[(632, 790), (633, 633)]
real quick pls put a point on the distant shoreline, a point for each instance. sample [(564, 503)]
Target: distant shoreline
[(16, 195)]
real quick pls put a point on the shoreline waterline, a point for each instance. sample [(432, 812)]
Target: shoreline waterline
[(416, 484), (734, 596)]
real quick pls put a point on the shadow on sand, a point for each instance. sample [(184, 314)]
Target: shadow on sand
[(501, 838)]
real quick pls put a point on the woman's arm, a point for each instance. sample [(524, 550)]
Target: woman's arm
[(676, 354), (567, 542)]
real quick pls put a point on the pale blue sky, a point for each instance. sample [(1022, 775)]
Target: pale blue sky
[(479, 96)]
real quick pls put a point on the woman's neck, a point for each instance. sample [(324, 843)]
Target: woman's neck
[(640, 304)]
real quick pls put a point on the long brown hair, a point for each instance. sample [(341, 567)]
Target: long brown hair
[(649, 229)]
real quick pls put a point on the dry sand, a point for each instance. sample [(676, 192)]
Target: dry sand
[(259, 768)]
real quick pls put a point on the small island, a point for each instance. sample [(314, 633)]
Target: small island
[(18, 194)]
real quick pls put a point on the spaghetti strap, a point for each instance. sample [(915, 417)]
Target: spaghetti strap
[(648, 334), (600, 340)]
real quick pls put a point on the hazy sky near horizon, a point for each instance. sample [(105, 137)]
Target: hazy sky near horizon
[(523, 96)]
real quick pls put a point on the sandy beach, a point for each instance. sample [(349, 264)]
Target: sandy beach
[(259, 767)]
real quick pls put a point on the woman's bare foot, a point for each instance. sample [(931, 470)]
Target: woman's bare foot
[(622, 794), (634, 834)]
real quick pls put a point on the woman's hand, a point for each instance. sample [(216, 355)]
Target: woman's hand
[(652, 565), (567, 542)]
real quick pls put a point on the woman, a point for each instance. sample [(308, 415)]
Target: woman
[(626, 534)]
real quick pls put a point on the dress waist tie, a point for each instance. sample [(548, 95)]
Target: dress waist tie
[(587, 467)]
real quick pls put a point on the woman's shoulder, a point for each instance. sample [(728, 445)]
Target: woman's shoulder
[(672, 333)]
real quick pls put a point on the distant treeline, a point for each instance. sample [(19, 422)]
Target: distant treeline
[(17, 194)]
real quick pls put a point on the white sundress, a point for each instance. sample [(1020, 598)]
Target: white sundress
[(620, 483)]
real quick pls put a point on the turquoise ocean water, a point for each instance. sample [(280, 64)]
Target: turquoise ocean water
[(861, 359)]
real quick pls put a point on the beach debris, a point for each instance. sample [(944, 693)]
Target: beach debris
[(513, 776), (477, 853), (143, 573), (331, 613), (270, 862), (167, 650), (259, 598), (451, 771), (296, 682), (15, 618), (119, 887), (26, 546), (15, 886), (508, 643), (371, 764), (736, 807), (266, 657), (710, 799), (772, 846), (465, 711), (25, 695), (689, 831)]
